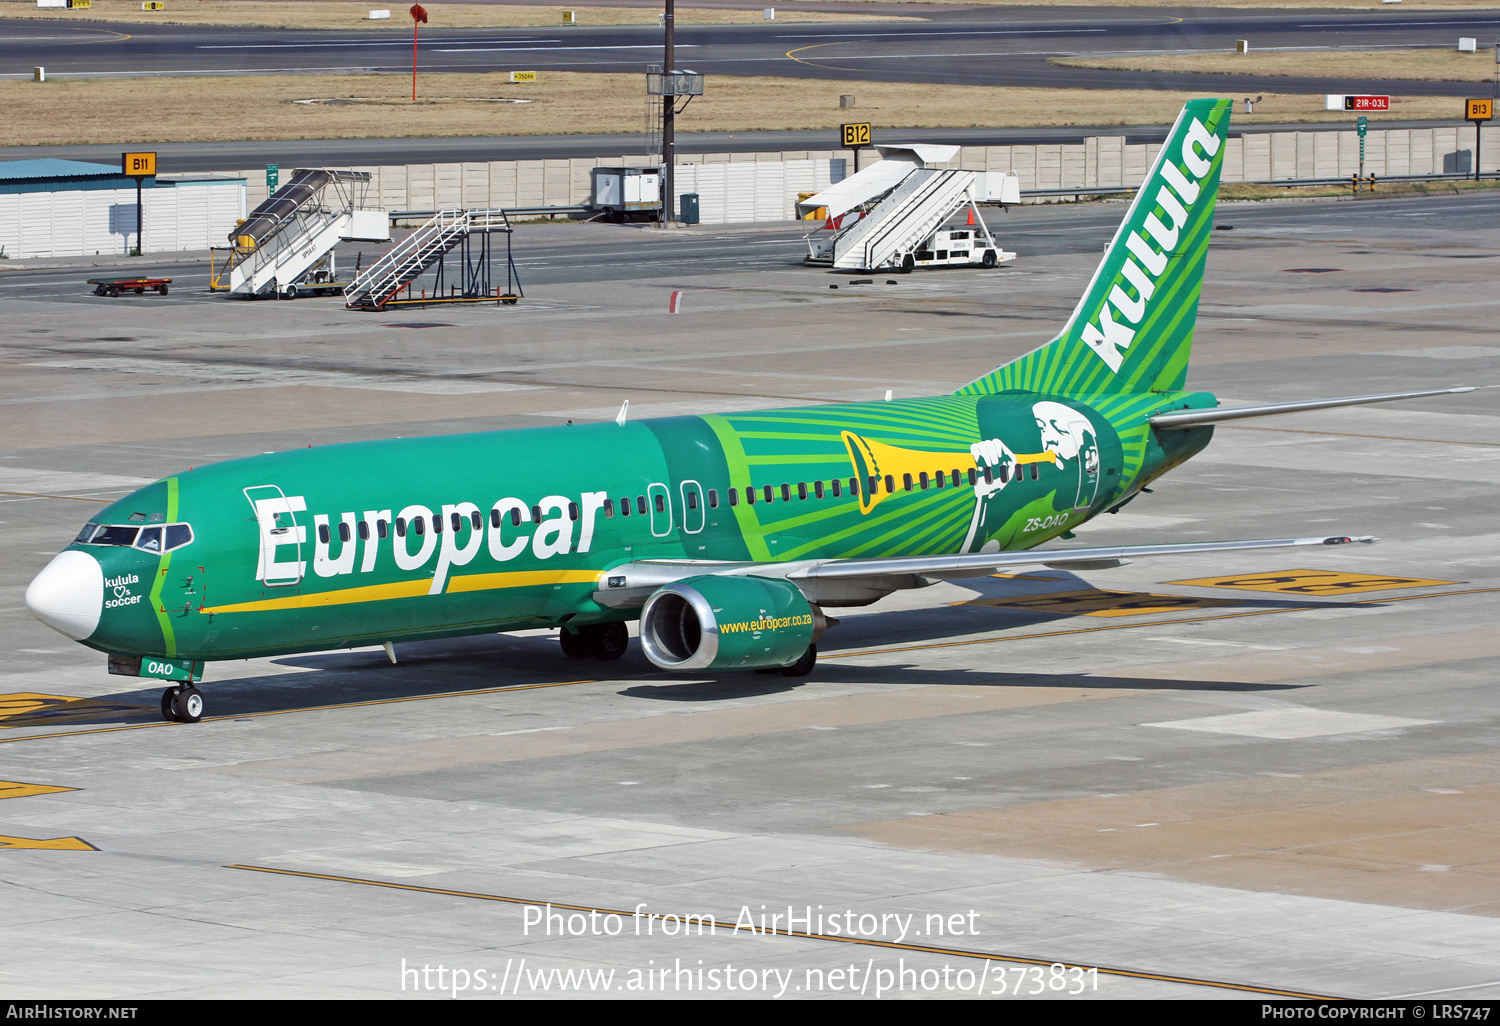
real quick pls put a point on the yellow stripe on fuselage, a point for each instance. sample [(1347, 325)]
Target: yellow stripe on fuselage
[(521, 579), (412, 589)]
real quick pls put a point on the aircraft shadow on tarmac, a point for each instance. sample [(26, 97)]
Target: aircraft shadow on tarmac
[(502, 662)]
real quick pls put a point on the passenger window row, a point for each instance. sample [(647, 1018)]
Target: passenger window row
[(873, 484), (764, 493)]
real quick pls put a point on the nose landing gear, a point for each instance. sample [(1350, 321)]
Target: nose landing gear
[(182, 704)]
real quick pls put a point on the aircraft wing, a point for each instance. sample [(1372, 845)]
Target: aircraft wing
[(861, 581)]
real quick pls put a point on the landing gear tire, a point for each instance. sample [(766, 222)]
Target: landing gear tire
[(187, 705), (907, 263), (989, 259), (575, 644), (802, 667), (609, 641), (166, 705)]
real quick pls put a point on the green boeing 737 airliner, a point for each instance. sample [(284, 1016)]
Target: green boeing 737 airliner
[(726, 535)]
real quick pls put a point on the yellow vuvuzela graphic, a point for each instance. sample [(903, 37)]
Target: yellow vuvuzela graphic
[(883, 469)]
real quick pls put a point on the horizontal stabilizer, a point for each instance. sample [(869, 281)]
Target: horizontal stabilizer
[(1183, 419)]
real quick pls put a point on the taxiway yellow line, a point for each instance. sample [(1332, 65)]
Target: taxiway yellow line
[(989, 956), (832, 655), (1154, 623), (307, 708)]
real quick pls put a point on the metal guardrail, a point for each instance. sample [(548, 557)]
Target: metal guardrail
[(412, 215), (1287, 183)]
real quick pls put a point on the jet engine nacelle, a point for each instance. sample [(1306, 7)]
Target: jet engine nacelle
[(729, 623)]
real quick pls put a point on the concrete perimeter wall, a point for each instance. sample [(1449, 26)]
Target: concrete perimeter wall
[(747, 193)]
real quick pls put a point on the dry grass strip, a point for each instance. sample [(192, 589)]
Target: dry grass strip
[(1412, 65), (219, 108)]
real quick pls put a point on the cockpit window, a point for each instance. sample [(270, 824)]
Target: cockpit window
[(148, 539), (115, 535)]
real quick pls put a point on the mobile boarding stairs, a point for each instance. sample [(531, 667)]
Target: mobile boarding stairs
[(463, 234), (896, 214), (285, 247)]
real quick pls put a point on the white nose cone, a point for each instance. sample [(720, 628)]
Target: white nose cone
[(68, 595)]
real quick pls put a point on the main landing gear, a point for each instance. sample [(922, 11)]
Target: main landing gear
[(607, 641), (182, 704)]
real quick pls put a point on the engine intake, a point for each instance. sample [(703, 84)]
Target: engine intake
[(722, 623)]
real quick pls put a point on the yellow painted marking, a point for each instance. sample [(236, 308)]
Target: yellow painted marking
[(47, 843), (1093, 602), (521, 579), (726, 923), (29, 709), (1313, 582), (16, 789), (319, 708), (994, 639), (411, 589)]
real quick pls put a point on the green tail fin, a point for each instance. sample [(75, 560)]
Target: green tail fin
[(1133, 329)]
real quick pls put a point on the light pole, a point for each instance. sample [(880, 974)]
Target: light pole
[(668, 119)]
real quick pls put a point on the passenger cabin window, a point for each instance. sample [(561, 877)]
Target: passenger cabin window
[(400, 527), (713, 498), (692, 500), (515, 516), (364, 530), (476, 520), (734, 496), (1036, 471), (835, 488), (495, 518), (343, 530), (767, 493), (801, 489), (786, 493), (661, 503), (640, 504), (536, 514), (609, 507), (572, 511), (750, 496), (624, 505), (817, 489), (419, 526)]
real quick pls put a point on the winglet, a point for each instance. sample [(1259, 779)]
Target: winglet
[(624, 409)]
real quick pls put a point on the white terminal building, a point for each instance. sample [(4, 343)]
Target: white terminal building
[(52, 207)]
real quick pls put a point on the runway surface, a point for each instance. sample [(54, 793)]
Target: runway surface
[(967, 45), (1220, 775)]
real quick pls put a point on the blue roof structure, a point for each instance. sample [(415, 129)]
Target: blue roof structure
[(53, 167)]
